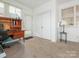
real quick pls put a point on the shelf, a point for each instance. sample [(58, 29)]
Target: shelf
[(67, 17)]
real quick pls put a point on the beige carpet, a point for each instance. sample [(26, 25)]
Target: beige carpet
[(42, 48)]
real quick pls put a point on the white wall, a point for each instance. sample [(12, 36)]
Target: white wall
[(47, 7), (72, 31)]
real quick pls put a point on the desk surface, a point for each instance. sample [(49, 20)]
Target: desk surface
[(16, 34)]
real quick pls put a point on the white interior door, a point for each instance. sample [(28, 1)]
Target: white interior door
[(46, 25), (38, 24), (41, 24)]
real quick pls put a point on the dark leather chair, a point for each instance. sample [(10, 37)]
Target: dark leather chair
[(3, 36)]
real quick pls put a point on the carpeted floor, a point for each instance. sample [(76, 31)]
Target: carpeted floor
[(42, 48)]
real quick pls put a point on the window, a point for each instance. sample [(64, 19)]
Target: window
[(18, 12), (1, 9), (68, 15), (14, 12)]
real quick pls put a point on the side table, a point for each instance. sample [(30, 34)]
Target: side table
[(61, 36)]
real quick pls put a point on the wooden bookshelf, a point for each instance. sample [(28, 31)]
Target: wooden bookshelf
[(13, 26)]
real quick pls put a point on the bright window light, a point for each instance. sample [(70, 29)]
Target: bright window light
[(12, 9), (1, 5), (14, 12), (1, 9)]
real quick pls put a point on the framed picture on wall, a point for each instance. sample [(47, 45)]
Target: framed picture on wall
[(68, 15)]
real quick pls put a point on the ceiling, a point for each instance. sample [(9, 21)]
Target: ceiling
[(32, 3), (63, 1), (35, 3)]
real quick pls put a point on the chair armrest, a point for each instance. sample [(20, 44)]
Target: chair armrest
[(0, 39)]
